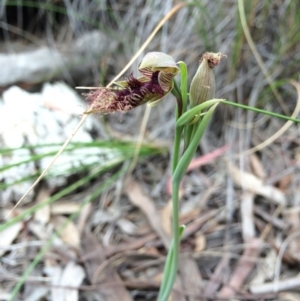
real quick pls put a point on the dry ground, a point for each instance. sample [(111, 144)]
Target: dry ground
[(240, 199)]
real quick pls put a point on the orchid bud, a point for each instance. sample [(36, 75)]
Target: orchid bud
[(203, 84), (157, 69)]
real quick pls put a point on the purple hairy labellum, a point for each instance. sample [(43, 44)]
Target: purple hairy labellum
[(157, 69)]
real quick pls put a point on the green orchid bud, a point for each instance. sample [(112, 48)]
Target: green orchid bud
[(158, 70), (203, 84)]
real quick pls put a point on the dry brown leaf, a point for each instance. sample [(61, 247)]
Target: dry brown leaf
[(265, 270), (285, 181), (38, 293), (218, 276), (41, 231), (43, 214), (291, 296), (70, 234), (190, 276), (293, 216), (54, 272), (242, 269), (117, 292), (197, 223), (176, 294), (257, 167), (146, 204), (251, 183), (8, 235), (64, 208), (166, 215), (187, 217), (247, 216), (4, 295), (287, 284), (272, 219), (83, 217), (200, 243), (287, 257), (126, 226), (72, 275)]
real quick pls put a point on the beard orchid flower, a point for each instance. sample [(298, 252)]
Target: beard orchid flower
[(158, 70)]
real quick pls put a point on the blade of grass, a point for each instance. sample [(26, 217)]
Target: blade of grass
[(259, 111)]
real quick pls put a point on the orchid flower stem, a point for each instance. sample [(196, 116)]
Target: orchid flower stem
[(171, 266), (179, 168), (176, 148), (177, 94)]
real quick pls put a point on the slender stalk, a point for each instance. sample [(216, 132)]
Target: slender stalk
[(167, 270), (180, 168), (234, 104), (188, 134), (176, 238), (176, 92), (171, 266), (176, 148)]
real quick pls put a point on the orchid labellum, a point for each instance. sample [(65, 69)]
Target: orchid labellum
[(158, 70)]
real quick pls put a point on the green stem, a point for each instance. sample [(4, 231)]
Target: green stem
[(170, 278), (176, 92), (171, 265), (176, 148), (189, 133), (167, 271)]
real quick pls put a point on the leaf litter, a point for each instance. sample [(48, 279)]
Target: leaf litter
[(238, 211)]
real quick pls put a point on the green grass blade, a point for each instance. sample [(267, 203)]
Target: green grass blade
[(234, 104), (98, 152)]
